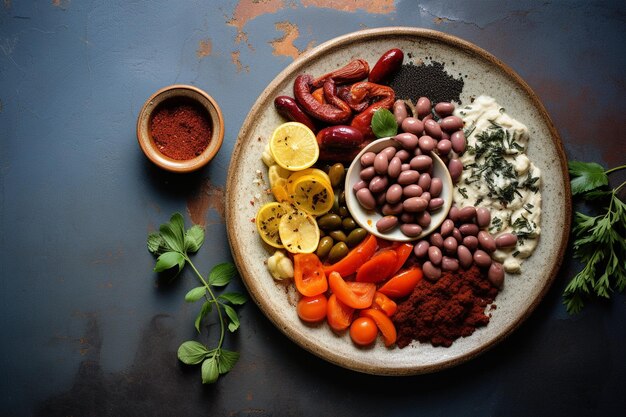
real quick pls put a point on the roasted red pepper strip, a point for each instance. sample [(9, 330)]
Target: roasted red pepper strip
[(403, 250), (402, 284), (384, 323), (378, 268), (384, 304), (353, 294), (355, 258), (308, 274), (362, 91)]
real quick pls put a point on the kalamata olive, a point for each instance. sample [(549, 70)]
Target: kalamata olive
[(394, 193), (495, 275), (446, 227), (407, 140), (455, 166), (407, 217), (483, 217), (458, 141), (324, 246), (386, 223), (444, 146), (348, 224), (423, 107), (399, 111), (367, 173), (467, 214), (381, 163), (506, 240), (390, 151), (337, 174), (423, 219), (470, 242), (421, 163), (435, 203), (411, 230), (403, 154), (482, 258), (449, 264), (338, 235), (444, 109), (451, 123), (436, 186), (468, 229), (414, 204), (329, 222), (444, 135), (366, 198), (453, 214), (367, 159), (427, 143), (338, 252), (412, 190), (432, 129), (436, 240), (359, 184), (409, 177), (421, 249), (395, 167), (431, 272), (486, 241), (426, 196), (405, 167), (465, 256), (424, 181), (355, 237), (457, 235), (378, 183), (392, 209), (435, 255), (413, 125), (450, 244)]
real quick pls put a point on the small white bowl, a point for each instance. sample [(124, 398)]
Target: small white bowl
[(367, 218)]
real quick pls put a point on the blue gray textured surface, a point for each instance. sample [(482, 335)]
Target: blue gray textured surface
[(86, 329)]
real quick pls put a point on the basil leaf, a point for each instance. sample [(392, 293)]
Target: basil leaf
[(155, 243), (172, 241), (206, 309), (195, 294), (232, 315), (194, 239), (192, 352), (226, 360), (234, 298), (168, 260), (384, 123), (210, 372), (586, 176), (221, 274)]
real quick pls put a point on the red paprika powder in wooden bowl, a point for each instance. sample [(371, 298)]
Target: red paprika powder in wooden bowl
[(180, 128)]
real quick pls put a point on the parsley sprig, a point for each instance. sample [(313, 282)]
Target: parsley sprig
[(172, 244), (599, 241)]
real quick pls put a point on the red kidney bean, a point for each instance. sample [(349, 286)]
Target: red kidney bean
[(482, 258), (408, 177), (426, 196), (427, 143), (423, 219), (407, 217), (421, 163), (390, 151), (367, 159), (389, 63), (421, 249), (405, 167), (413, 125), (386, 223), (367, 173), (444, 146), (366, 198), (435, 255), (412, 190), (431, 272), (495, 275), (453, 214), (436, 186), (414, 204), (392, 209), (450, 244), (458, 141), (455, 166), (436, 240), (378, 184), (451, 123), (506, 240), (381, 163), (429, 116), (407, 140), (432, 128), (465, 256), (399, 111), (446, 227), (423, 107), (483, 217), (486, 241), (449, 264), (288, 108), (435, 203), (418, 151), (457, 235), (468, 229), (444, 109), (394, 193), (471, 242), (424, 181), (444, 135), (381, 198), (403, 155), (360, 184), (395, 167), (411, 230), (467, 214)]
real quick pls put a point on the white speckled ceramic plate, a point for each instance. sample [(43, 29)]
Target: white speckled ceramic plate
[(485, 74)]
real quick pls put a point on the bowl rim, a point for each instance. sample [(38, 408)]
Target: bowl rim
[(202, 98)]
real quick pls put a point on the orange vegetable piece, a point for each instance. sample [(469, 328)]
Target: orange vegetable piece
[(403, 283), (338, 315), (355, 258), (384, 304), (312, 309), (403, 250), (384, 323), (308, 274), (363, 331), (353, 294), (378, 268)]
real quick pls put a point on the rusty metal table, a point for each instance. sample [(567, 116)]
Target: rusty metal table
[(87, 330)]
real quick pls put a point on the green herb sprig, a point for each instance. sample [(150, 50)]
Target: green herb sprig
[(172, 244), (599, 241)]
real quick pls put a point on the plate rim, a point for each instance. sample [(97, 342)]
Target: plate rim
[(238, 251)]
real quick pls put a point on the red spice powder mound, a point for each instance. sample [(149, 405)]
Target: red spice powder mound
[(181, 130), (440, 312)]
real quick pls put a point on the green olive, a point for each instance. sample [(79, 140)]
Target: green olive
[(338, 235), (343, 211), (324, 247), (348, 224), (336, 173), (322, 234), (356, 236), (329, 222), (338, 252), (335, 208), (342, 198)]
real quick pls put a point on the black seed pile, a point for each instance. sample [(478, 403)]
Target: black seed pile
[(414, 81)]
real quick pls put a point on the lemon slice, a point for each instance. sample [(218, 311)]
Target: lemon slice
[(321, 176), (280, 191), (275, 172), (267, 223), (299, 232), (293, 146), (310, 194)]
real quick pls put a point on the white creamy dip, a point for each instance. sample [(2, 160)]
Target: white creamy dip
[(498, 175)]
